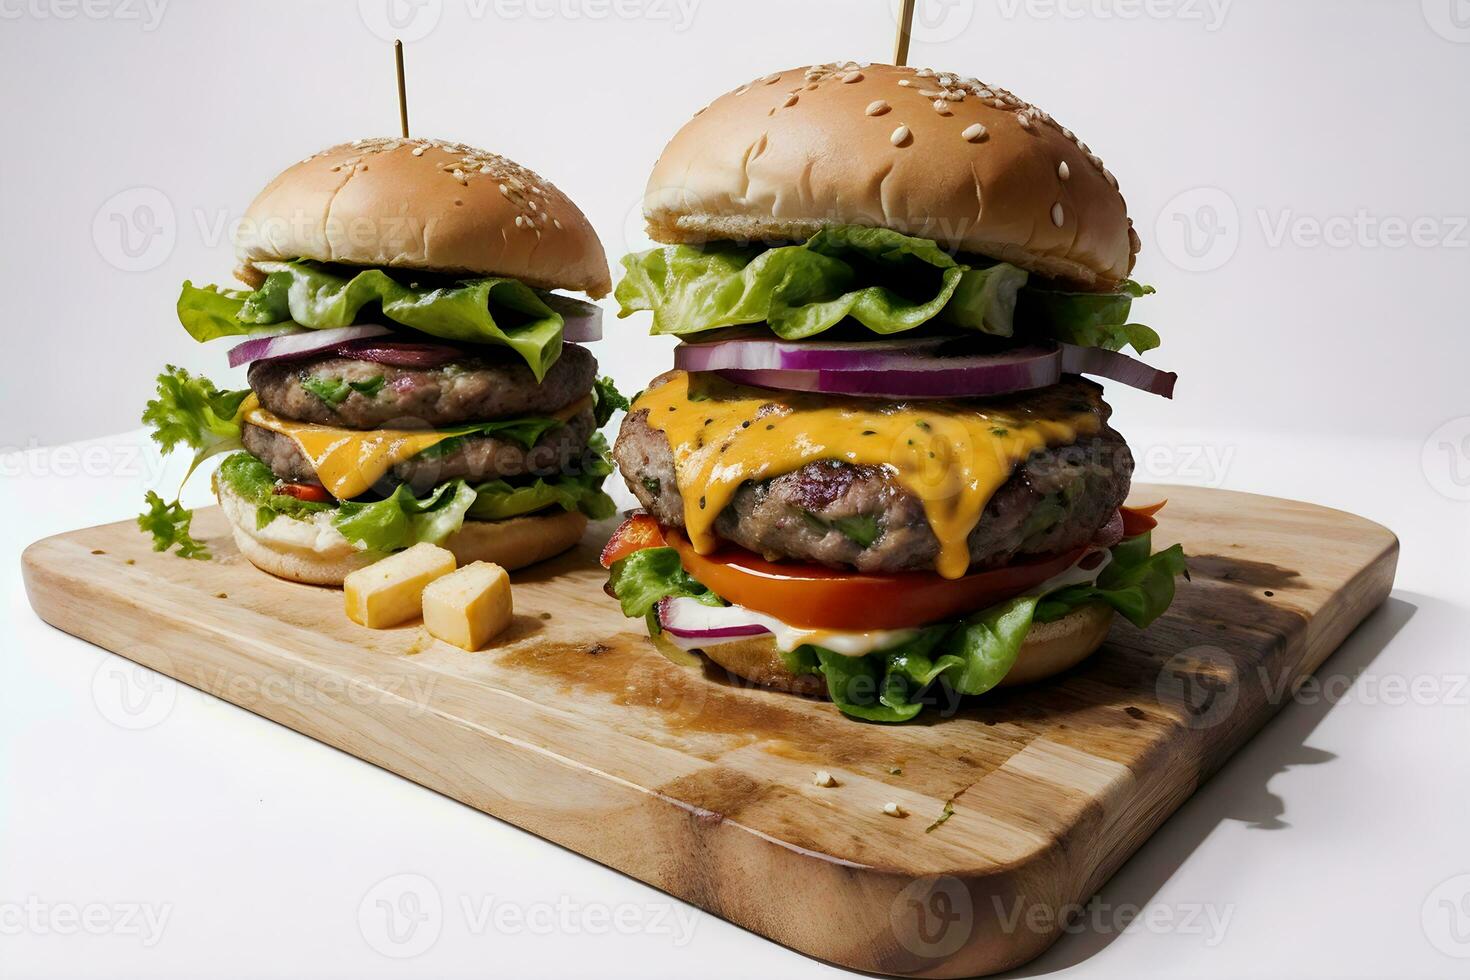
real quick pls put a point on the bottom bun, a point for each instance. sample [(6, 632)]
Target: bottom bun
[(314, 552), (1049, 649)]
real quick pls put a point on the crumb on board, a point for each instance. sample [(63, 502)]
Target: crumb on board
[(894, 810), (823, 778), (944, 815)]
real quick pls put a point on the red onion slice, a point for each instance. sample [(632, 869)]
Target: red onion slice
[(689, 619), (400, 353), (761, 354), (581, 321), (923, 377), (300, 344), (1117, 367), (912, 369)]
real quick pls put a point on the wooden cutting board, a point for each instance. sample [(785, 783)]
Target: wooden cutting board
[(575, 729)]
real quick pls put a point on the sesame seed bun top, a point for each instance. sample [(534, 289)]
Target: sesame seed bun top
[(423, 204), (926, 153)]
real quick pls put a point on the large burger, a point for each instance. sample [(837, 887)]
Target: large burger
[(413, 372), (877, 471)]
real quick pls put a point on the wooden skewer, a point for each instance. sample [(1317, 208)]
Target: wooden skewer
[(402, 90), (905, 25)]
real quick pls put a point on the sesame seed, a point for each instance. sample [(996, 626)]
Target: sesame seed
[(900, 136), (941, 106), (1064, 171), (772, 78), (1112, 181), (973, 133), (905, 82), (894, 810), (790, 101), (1024, 120), (418, 151), (852, 76), (557, 223), (823, 778), (931, 93), (876, 108), (1056, 214), (520, 221)]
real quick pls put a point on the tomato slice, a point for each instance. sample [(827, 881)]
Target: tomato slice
[(636, 533), (816, 597), (1137, 520), (304, 491)]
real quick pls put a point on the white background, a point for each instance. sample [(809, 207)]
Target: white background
[(1323, 370)]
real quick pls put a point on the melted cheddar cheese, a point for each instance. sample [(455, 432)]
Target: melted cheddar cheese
[(953, 456), (349, 461)]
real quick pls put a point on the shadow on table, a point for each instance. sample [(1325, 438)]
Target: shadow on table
[(1239, 791)]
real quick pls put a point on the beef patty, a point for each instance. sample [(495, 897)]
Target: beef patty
[(1054, 501), (473, 458), (491, 383)]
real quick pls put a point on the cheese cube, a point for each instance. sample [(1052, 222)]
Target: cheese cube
[(469, 606), (391, 591)]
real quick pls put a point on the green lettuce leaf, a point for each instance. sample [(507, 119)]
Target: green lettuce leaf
[(1138, 583), (886, 281), (968, 657), (526, 430), (334, 391), (403, 519), (971, 657), (640, 580), (861, 687), (395, 522), (191, 411), (482, 311), (606, 400), (210, 312), (169, 525), (580, 490), (253, 481), (1089, 319), (499, 499)]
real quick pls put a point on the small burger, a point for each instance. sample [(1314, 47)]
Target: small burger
[(414, 375), (878, 471)]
